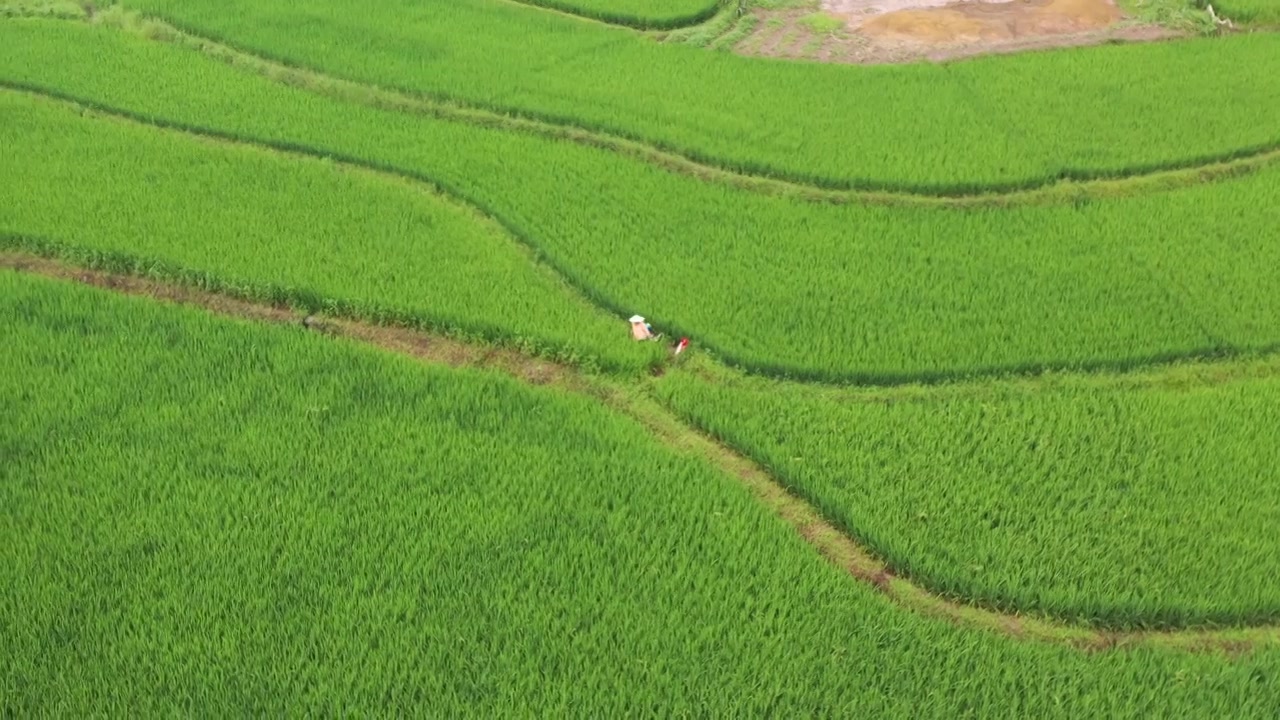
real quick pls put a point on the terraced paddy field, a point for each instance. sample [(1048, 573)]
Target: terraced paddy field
[(320, 395)]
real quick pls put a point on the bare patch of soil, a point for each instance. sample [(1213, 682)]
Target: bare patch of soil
[(406, 341), (894, 31)]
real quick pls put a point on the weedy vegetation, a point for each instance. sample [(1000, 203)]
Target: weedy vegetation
[(822, 23)]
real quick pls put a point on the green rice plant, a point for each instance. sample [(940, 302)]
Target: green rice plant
[(641, 14), (839, 293), (285, 228), (979, 124), (202, 516), (1132, 501)]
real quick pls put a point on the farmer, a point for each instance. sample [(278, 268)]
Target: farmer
[(641, 330)]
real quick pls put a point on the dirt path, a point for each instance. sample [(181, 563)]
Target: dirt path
[(897, 31), (901, 30), (636, 402), (575, 290)]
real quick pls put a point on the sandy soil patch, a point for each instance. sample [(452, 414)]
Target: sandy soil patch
[(991, 21), (885, 31)]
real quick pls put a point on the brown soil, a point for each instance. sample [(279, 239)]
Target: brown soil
[(840, 46), (890, 31), (407, 341), (967, 28)]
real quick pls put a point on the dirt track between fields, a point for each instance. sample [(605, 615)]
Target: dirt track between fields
[(839, 548)]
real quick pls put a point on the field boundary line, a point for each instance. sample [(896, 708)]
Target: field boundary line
[(672, 431), (1179, 374), (586, 292), (1068, 187), (621, 20), (541, 260)]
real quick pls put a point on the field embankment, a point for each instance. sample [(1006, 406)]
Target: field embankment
[(1136, 500), (237, 579)]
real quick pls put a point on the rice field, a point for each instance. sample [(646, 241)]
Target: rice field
[(276, 523), (320, 396), (1049, 496), (941, 129), (642, 14), (768, 283), (1251, 12)]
